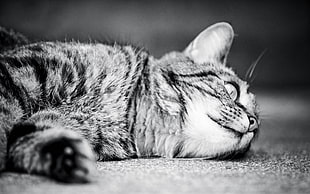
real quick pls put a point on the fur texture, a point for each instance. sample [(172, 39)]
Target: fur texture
[(65, 105)]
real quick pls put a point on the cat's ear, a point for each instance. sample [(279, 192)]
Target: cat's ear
[(212, 44)]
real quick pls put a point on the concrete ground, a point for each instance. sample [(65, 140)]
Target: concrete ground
[(279, 162)]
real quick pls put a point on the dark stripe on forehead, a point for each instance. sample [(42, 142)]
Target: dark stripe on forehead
[(201, 89), (174, 79), (200, 74)]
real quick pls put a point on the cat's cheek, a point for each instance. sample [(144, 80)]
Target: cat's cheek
[(203, 128), (200, 126), (205, 138)]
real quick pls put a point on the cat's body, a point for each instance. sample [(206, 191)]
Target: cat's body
[(64, 104)]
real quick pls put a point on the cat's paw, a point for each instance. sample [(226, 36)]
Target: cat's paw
[(68, 160)]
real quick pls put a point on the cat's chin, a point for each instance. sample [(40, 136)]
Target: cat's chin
[(206, 148)]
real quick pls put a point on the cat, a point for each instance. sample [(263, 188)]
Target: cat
[(65, 105)]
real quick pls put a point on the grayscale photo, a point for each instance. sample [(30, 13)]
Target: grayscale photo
[(154, 97)]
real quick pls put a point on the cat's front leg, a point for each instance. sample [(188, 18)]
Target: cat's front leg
[(55, 152)]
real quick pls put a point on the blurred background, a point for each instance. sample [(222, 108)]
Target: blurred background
[(282, 28)]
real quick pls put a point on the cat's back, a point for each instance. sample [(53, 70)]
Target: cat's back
[(50, 73)]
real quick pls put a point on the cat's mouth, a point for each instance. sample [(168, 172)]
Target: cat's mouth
[(238, 127)]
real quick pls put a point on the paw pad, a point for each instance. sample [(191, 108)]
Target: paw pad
[(69, 160)]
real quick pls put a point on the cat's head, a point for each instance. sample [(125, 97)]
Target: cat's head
[(219, 114)]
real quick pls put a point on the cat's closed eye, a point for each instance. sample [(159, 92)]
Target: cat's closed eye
[(233, 90)]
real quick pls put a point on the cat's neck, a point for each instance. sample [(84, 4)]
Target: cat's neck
[(156, 131)]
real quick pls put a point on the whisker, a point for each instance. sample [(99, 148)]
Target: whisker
[(265, 118), (251, 69), (248, 72), (253, 78)]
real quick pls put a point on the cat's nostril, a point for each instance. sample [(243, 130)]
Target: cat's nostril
[(253, 123)]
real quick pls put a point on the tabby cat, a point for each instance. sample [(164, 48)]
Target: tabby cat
[(65, 105)]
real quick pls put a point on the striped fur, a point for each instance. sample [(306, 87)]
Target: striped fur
[(63, 105)]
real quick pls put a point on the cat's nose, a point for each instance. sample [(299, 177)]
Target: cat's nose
[(253, 123)]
